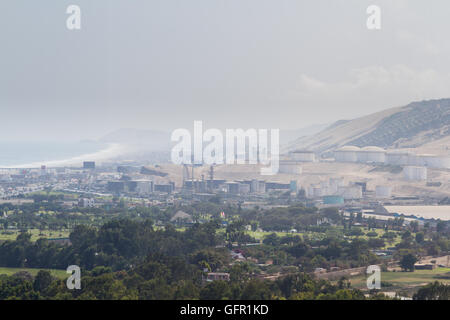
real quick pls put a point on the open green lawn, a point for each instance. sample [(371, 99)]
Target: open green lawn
[(35, 234), (401, 280), (60, 274), (321, 235), (260, 235)]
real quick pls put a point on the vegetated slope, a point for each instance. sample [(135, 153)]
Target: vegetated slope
[(411, 126)]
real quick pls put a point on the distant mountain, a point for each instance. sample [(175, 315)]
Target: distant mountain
[(160, 141), (145, 139), (411, 126)]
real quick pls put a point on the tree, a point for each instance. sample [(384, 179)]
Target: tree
[(42, 281), (420, 237), (272, 239), (414, 225), (433, 291), (256, 290), (407, 262), (216, 290), (441, 225), (376, 243)]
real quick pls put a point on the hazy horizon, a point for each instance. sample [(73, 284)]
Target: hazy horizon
[(253, 63)]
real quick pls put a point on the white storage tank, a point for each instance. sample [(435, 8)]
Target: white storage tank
[(372, 155), (399, 158), (433, 161), (303, 156), (346, 154), (383, 192), (412, 173)]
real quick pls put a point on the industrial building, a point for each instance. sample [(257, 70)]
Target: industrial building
[(350, 192), (144, 187), (116, 187), (432, 161), (335, 187), (293, 186), (277, 186), (232, 187), (373, 154), (257, 186), (383, 192), (333, 200), (86, 202), (165, 188), (89, 165), (412, 173)]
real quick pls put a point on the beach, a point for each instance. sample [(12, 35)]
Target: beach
[(110, 152)]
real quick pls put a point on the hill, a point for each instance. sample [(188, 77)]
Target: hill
[(424, 125)]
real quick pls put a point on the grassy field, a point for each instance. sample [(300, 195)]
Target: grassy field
[(35, 234), (406, 280), (260, 235), (60, 274)]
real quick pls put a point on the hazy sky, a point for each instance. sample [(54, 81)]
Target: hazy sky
[(160, 64)]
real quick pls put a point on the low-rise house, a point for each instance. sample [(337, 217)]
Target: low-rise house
[(424, 266), (214, 276), (320, 270), (182, 217)]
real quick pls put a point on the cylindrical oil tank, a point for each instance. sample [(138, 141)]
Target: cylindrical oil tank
[(346, 154), (413, 173)]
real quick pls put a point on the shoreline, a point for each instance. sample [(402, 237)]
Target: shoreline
[(112, 150)]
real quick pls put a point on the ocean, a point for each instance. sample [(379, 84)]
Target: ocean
[(21, 153)]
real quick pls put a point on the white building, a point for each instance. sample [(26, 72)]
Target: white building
[(257, 186), (432, 161), (383, 192), (86, 203), (371, 155), (412, 173), (400, 158), (244, 188), (346, 154), (303, 156), (144, 187)]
